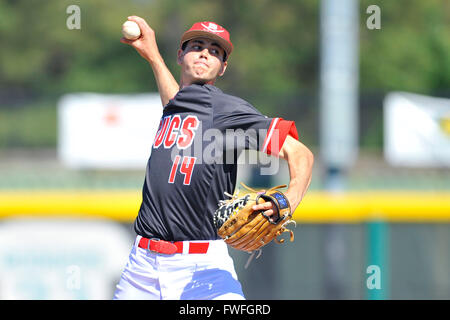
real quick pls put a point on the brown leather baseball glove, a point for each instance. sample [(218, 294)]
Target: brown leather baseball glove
[(245, 229)]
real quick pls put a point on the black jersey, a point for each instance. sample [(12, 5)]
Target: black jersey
[(193, 160)]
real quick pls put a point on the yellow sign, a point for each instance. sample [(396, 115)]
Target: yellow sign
[(445, 125)]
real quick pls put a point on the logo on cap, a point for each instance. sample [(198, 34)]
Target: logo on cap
[(212, 27)]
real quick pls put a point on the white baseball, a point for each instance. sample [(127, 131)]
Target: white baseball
[(130, 30)]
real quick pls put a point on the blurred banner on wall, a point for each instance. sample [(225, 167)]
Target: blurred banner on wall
[(108, 131), (416, 130), (61, 258)]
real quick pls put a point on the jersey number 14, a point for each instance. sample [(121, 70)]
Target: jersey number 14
[(186, 168)]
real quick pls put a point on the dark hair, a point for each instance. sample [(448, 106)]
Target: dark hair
[(184, 44)]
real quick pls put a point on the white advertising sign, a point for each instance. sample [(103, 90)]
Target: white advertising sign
[(61, 259), (416, 130), (107, 131)]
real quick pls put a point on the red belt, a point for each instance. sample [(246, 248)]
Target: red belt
[(168, 247)]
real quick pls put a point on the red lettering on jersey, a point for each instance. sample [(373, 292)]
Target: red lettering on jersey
[(187, 132), (187, 166), (171, 135), (161, 132)]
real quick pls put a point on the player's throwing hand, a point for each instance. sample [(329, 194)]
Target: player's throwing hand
[(146, 43), (147, 47)]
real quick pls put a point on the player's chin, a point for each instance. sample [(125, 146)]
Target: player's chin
[(206, 75)]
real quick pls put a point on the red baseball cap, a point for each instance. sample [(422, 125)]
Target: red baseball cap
[(210, 30)]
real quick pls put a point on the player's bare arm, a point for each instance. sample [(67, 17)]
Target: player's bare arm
[(300, 162), (147, 47)]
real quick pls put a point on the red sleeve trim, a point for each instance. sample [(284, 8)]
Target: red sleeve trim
[(279, 129)]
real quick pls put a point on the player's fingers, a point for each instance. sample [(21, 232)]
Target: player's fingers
[(141, 23), (269, 212), (126, 41), (133, 43), (135, 18), (263, 206)]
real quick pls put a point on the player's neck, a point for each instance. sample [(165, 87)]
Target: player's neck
[(185, 83)]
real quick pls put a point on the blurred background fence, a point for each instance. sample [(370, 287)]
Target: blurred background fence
[(394, 217)]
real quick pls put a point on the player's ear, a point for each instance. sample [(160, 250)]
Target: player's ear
[(224, 67), (180, 55)]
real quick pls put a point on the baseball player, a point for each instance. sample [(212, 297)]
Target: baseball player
[(177, 253)]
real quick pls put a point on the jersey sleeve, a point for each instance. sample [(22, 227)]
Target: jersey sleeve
[(278, 131), (248, 128)]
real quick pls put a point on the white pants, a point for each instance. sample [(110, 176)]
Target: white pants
[(180, 276)]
